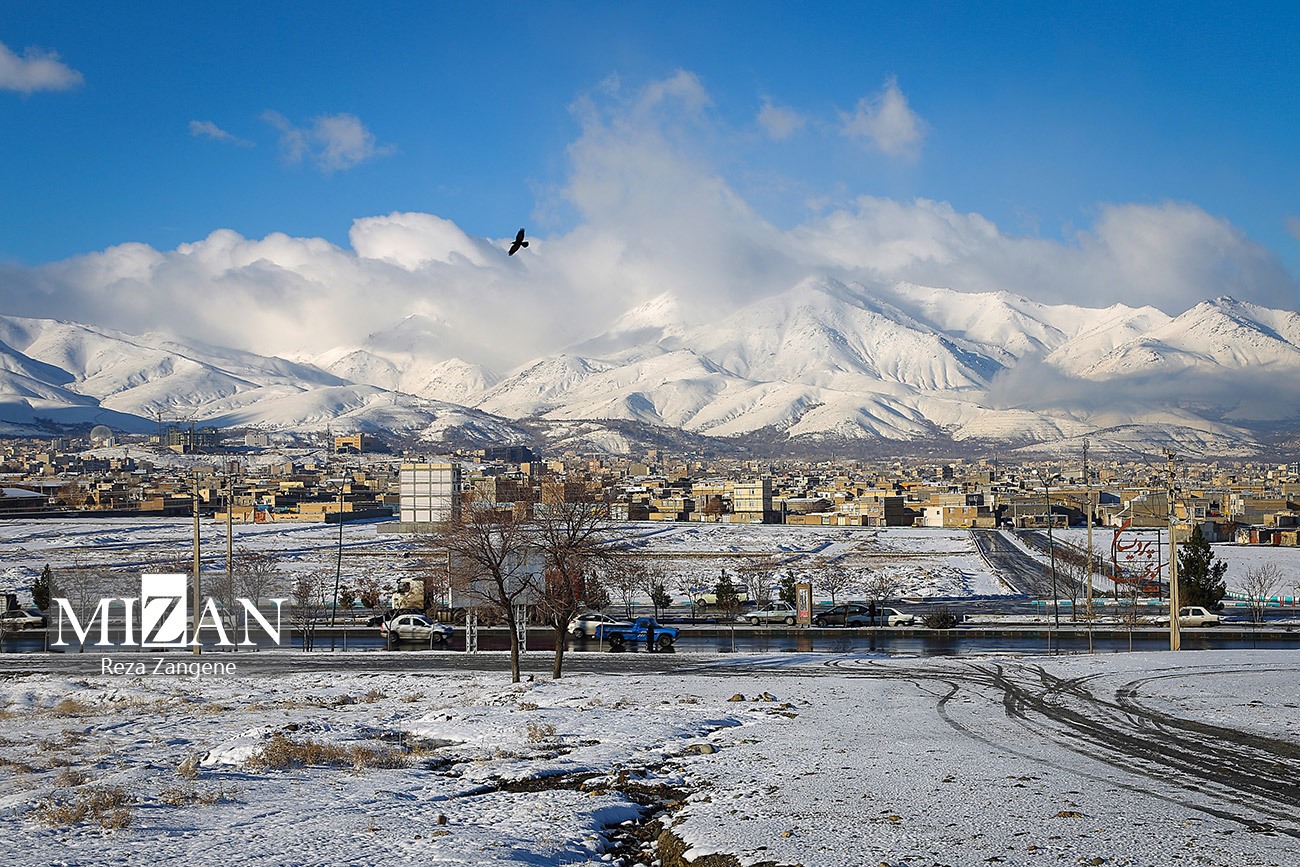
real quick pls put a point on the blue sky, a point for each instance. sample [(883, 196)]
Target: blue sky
[(159, 123)]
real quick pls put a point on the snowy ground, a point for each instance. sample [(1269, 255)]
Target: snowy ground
[(922, 562), (1137, 759)]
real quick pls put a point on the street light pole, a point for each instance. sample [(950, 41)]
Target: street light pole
[(197, 599), (1175, 633), (338, 570), (1051, 553)]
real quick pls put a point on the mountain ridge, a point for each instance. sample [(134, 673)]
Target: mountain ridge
[(823, 362)]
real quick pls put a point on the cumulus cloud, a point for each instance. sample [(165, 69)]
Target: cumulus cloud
[(886, 122), (332, 142), (1171, 255), (35, 70), (652, 212), (778, 122), (208, 129)]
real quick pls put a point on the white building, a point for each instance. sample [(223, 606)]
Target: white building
[(430, 493)]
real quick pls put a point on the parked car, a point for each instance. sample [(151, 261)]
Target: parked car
[(17, 618), (586, 625), (637, 632), (856, 614), (415, 627), (850, 614), (742, 596), (1194, 615), (887, 616), (772, 612)]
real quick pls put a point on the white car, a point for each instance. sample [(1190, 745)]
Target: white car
[(415, 627), (773, 612), (893, 617), (1193, 616), (19, 619), (705, 599), (585, 625)]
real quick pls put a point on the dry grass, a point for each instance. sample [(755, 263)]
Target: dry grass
[(373, 696), (280, 752), (189, 769), (18, 767), (180, 796), (538, 732), (109, 806), (71, 707), (412, 697), (71, 778)]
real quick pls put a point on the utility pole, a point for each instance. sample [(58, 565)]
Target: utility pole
[(338, 567), (197, 608), (1175, 636), (1051, 551), (1087, 481), (230, 536)]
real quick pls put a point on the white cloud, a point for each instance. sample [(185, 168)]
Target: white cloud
[(779, 123), (333, 142), (886, 122), (652, 212), (208, 129), (1293, 226), (35, 70)]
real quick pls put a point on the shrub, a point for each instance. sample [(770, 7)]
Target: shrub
[(110, 806), (939, 618)]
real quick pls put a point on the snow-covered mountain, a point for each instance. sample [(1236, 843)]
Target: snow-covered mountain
[(822, 364), (56, 374)]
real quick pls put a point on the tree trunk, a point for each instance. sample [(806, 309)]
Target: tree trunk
[(514, 644), (557, 666)]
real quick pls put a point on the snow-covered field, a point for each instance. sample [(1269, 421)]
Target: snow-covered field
[(1137, 759), (921, 562)]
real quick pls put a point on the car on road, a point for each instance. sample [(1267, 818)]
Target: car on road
[(850, 614), (637, 632), (704, 599), (1193, 616), (887, 616), (17, 618), (772, 612), (855, 614), (586, 625), (415, 627)]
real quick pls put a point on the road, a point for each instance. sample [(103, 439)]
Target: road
[(1023, 573)]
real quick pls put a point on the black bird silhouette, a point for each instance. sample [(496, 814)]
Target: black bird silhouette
[(519, 242)]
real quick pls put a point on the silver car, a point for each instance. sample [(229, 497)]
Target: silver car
[(585, 625), (415, 627), (773, 612)]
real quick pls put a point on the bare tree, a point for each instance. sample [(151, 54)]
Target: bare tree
[(84, 586), (494, 563), (879, 585), (656, 587), (832, 579), (625, 576), (257, 575), (1259, 583), (308, 594), (576, 540), (757, 575)]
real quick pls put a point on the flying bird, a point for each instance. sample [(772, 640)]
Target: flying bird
[(519, 242)]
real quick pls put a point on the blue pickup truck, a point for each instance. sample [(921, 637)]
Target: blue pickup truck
[(620, 635)]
